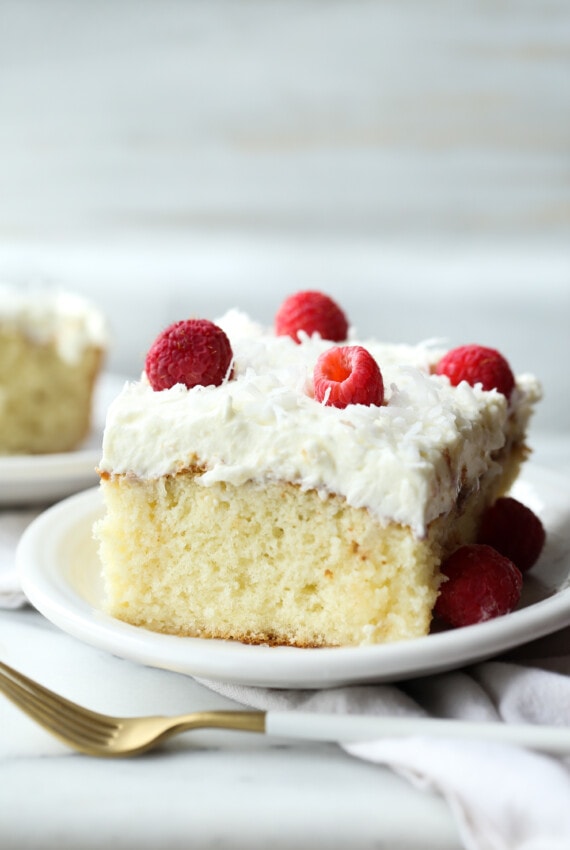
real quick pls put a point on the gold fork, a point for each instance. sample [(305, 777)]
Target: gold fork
[(102, 735)]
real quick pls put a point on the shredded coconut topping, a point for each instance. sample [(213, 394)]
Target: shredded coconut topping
[(405, 461)]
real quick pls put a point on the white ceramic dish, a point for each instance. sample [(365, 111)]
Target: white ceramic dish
[(34, 479), (60, 574)]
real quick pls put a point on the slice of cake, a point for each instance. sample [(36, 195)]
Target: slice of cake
[(52, 345), (291, 487)]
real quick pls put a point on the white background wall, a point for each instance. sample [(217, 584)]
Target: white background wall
[(412, 159)]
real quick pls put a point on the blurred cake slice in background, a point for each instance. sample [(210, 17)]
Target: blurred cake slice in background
[(52, 347)]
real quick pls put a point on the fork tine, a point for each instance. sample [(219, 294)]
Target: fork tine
[(24, 700), (61, 716), (81, 738), (51, 699), (55, 701), (102, 735), (65, 726)]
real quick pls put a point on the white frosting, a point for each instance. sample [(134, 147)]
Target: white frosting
[(405, 461), (46, 314)]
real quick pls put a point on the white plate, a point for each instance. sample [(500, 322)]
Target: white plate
[(33, 479), (60, 574)]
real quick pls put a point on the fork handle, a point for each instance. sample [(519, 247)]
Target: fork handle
[(345, 728)]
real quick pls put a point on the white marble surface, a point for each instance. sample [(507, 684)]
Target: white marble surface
[(179, 157), (205, 790)]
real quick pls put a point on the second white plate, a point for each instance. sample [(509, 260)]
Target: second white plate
[(60, 574)]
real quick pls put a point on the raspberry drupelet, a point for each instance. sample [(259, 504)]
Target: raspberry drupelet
[(348, 375), (312, 312), (477, 365), (480, 584), (191, 352)]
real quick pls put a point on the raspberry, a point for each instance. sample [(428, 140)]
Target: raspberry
[(477, 365), (481, 584), (191, 352), (311, 312), (348, 375), (513, 530)]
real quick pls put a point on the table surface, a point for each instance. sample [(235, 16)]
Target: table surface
[(181, 158)]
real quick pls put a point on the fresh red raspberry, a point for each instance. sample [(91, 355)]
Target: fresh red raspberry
[(481, 584), (347, 375), (513, 530), (312, 312), (191, 352), (477, 365)]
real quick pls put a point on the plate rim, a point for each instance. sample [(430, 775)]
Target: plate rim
[(272, 667)]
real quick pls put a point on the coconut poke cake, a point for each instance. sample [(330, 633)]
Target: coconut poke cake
[(52, 345), (296, 486)]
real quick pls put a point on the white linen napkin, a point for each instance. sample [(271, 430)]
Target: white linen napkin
[(12, 525), (502, 797)]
